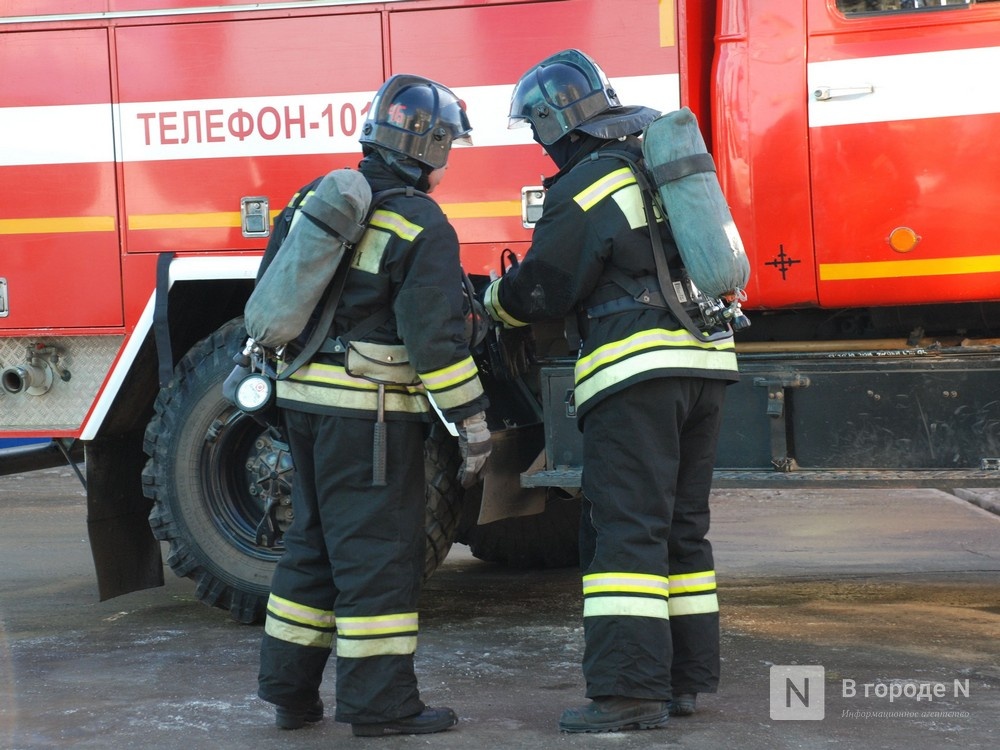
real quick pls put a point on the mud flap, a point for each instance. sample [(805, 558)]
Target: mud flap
[(514, 451), (126, 554)]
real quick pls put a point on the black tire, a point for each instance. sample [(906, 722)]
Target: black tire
[(550, 539), (208, 463)]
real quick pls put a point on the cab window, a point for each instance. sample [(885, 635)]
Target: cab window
[(857, 7)]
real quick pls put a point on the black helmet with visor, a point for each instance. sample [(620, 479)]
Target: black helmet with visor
[(568, 91), (418, 118)]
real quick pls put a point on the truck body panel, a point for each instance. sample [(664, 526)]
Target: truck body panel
[(147, 146)]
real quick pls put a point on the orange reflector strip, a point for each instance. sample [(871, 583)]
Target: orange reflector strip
[(889, 269), (668, 34), (58, 225)]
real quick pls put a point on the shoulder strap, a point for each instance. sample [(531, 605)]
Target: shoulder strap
[(659, 256), (318, 339)]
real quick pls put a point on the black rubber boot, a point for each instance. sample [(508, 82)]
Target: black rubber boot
[(428, 721), (615, 714), (683, 704), (296, 718)]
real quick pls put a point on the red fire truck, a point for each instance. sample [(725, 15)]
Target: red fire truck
[(147, 145)]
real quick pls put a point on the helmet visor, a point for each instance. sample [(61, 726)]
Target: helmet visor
[(454, 117), (559, 94), (418, 118)]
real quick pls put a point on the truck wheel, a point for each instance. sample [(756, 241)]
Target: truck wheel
[(209, 466), (550, 539)]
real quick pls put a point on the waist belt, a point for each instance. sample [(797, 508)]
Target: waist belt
[(640, 293)]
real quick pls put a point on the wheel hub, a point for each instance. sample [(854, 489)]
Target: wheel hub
[(270, 473)]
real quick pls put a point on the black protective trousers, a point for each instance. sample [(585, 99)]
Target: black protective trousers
[(353, 550), (651, 619)]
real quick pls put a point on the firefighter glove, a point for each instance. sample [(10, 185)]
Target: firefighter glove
[(491, 303), (474, 444)]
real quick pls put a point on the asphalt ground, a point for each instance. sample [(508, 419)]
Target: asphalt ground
[(886, 601)]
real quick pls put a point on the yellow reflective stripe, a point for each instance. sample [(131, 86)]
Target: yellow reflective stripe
[(690, 582), (449, 376), (398, 225), (330, 385), (289, 610), (625, 594), (397, 635), (454, 385), (344, 398), (591, 196), (317, 372), (405, 622), (654, 349), (290, 633), (699, 604), (357, 649), (625, 606), (491, 301), (458, 396), (636, 583), (295, 197), (643, 340), (655, 360), (297, 215)]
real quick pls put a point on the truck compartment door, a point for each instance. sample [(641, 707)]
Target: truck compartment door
[(58, 212), (903, 112), (246, 108)]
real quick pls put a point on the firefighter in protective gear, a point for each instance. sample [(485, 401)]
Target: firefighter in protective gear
[(649, 397), (354, 553)]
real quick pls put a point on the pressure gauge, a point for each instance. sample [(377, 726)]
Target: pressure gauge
[(254, 392)]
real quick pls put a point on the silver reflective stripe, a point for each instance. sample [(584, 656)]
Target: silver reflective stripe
[(410, 401), (289, 610), (699, 604), (687, 583), (491, 301), (598, 191), (286, 631), (619, 582), (630, 203), (625, 606), (404, 622), (650, 340), (620, 594), (350, 648), (450, 376), (358, 637), (656, 359)]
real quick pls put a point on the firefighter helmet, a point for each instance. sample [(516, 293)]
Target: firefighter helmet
[(568, 91), (418, 118)]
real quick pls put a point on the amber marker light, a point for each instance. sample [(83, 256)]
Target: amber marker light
[(903, 239)]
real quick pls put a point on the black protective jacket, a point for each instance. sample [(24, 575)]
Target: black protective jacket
[(594, 222), (407, 264)]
